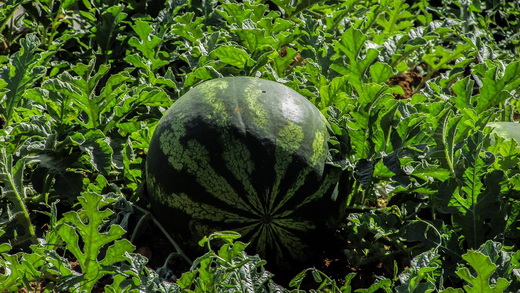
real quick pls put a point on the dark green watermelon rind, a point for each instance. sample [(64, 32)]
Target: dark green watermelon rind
[(275, 206)]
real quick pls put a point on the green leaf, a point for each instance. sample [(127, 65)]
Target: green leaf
[(253, 39), (379, 286), (506, 130), (99, 152), (22, 72), (483, 268), (364, 171), (101, 106), (446, 138), (189, 27), (8, 9), (463, 90), (477, 200), (372, 94), (147, 40), (241, 12), (380, 72), (107, 27), (452, 290), (227, 236), (4, 247), (231, 55), (351, 43), (436, 172), (292, 8), (137, 276), (85, 226), (281, 64), (503, 257), (396, 18), (421, 275), (13, 189), (496, 88), (16, 274), (441, 56), (149, 43), (335, 93), (68, 184), (81, 89), (23, 269)]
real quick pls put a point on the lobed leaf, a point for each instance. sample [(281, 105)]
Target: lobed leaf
[(496, 87), (483, 268), (23, 70), (74, 226)]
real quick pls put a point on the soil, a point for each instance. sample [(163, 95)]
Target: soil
[(408, 81), (297, 60)]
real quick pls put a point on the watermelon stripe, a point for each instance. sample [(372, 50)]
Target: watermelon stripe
[(319, 149), (170, 145), (249, 228), (200, 210), (293, 190), (193, 157), (205, 211), (289, 139), (318, 155), (290, 241), (239, 162), (215, 184), (213, 99), (324, 188), (279, 237), (254, 106)]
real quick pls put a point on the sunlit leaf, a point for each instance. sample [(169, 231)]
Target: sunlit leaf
[(483, 268), (231, 55), (86, 226), (22, 71)]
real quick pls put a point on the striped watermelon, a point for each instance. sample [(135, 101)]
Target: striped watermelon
[(248, 155)]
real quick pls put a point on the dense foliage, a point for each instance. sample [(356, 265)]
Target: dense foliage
[(423, 98)]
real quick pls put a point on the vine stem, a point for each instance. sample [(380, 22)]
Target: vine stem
[(166, 234), (15, 197)]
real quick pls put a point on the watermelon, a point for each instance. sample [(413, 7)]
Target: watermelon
[(248, 155)]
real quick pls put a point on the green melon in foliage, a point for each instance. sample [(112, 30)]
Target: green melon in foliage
[(248, 155)]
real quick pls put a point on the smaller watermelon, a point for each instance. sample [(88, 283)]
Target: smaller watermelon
[(248, 155)]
